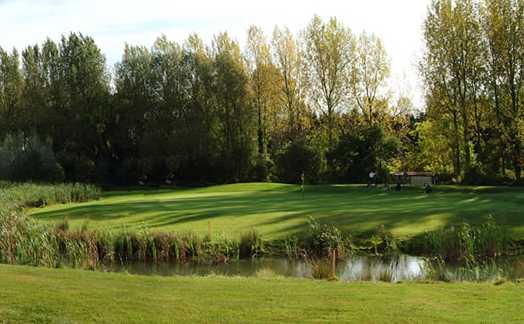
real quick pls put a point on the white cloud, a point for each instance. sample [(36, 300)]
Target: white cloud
[(114, 22)]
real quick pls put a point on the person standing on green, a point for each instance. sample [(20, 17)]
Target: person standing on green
[(302, 180), (372, 180)]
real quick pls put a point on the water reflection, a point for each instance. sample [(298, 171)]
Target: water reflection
[(355, 268), (391, 269)]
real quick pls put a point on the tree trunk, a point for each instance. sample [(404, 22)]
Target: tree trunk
[(456, 165)]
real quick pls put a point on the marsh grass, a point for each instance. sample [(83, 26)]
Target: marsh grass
[(465, 244), (23, 241), (324, 267), (321, 268), (251, 244), (492, 271)]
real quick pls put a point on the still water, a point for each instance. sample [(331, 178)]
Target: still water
[(355, 268)]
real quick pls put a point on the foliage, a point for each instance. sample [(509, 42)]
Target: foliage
[(473, 74), (435, 151), (298, 157), (28, 159), (251, 245), (33, 195), (383, 241), (370, 72), (192, 112), (24, 241), (323, 239), (329, 51), (466, 244), (363, 150)]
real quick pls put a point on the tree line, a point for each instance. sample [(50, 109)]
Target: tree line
[(473, 70), (315, 103)]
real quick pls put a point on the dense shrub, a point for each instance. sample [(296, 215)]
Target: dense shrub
[(360, 151), (322, 239), (262, 168), (28, 159), (78, 167), (383, 241), (444, 178), (475, 176), (299, 157)]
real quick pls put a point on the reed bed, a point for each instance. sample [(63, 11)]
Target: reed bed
[(465, 244)]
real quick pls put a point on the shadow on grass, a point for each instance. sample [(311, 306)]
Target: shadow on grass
[(281, 210)]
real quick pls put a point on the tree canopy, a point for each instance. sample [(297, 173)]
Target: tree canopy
[(316, 103)]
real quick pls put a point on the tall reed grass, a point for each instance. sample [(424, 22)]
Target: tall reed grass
[(464, 243), (24, 241)]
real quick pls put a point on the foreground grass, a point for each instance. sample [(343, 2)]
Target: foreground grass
[(278, 210), (70, 296)]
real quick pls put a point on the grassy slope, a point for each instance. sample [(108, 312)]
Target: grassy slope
[(68, 296), (277, 210)]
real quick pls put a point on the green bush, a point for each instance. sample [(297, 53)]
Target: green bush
[(477, 177), (383, 241), (323, 239), (361, 150), (262, 168), (297, 157), (28, 159)]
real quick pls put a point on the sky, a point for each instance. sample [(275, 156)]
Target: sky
[(112, 23)]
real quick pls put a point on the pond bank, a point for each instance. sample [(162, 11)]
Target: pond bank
[(392, 269)]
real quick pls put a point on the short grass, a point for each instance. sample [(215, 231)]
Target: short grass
[(38, 295), (279, 210)]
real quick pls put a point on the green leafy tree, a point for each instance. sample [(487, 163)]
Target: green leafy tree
[(368, 77), (11, 83), (329, 55), (452, 70)]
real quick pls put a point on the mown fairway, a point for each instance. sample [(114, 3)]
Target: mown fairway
[(71, 296), (278, 210)]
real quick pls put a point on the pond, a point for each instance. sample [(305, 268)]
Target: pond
[(356, 268)]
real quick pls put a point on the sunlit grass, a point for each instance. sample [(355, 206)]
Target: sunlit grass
[(279, 210), (37, 295)]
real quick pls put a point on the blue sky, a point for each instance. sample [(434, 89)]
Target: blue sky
[(112, 23)]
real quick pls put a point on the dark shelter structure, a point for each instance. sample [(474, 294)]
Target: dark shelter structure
[(414, 178)]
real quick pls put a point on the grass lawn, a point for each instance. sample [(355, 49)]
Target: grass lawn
[(73, 296), (278, 210)]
